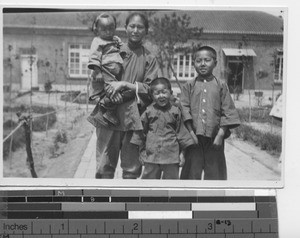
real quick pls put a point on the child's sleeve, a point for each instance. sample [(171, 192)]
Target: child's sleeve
[(229, 114), (185, 103), (95, 56), (183, 136), (139, 137)]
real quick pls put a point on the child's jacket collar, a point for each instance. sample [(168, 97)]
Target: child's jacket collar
[(208, 78)]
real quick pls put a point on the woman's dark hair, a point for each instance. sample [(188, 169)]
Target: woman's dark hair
[(101, 16), (160, 80), (142, 16)]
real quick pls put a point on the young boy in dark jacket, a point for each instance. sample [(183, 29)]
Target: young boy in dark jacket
[(208, 112)]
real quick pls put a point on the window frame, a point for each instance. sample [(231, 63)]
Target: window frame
[(278, 67), (79, 53), (186, 68)]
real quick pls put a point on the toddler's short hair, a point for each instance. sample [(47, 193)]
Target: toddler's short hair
[(160, 80), (208, 48)]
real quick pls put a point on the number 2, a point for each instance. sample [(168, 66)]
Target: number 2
[(135, 226)]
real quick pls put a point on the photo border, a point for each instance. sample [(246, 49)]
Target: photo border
[(137, 184)]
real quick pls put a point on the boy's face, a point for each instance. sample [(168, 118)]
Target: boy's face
[(161, 95), (204, 62), (106, 28)]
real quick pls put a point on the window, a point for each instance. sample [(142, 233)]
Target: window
[(183, 66), (78, 59), (278, 74)]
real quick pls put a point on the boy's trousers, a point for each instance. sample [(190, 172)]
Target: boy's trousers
[(204, 158), (111, 144), (160, 171)]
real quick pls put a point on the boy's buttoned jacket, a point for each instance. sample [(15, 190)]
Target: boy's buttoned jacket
[(207, 102), (164, 135)]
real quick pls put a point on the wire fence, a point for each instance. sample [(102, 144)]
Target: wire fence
[(42, 115), (13, 131), (26, 119)]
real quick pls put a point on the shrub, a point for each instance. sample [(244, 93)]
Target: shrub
[(9, 124), (258, 114), (60, 137), (18, 140), (40, 123), (265, 140), (71, 95)]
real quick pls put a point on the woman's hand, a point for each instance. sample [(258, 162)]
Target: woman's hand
[(112, 88), (117, 98)]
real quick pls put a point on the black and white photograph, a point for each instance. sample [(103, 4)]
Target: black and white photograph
[(191, 97)]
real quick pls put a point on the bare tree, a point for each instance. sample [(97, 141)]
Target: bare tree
[(169, 33)]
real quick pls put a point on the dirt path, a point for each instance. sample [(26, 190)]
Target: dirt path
[(244, 162), (247, 162)]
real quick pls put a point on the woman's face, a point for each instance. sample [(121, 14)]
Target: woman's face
[(136, 29)]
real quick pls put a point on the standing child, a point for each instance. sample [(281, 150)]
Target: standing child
[(105, 61), (164, 134), (209, 113)]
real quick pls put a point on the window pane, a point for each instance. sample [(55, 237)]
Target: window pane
[(181, 60), (278, 71), (187, 61), (74, 46)]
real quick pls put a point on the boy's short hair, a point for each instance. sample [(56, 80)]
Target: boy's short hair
[(208, 48), (160, 80), (102, 16)]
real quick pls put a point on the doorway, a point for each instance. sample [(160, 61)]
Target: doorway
[(29, 72), (235, 78)]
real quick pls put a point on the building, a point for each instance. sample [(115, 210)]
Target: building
[(39, 47)]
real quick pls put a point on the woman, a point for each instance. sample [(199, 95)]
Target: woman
[(140, 68)]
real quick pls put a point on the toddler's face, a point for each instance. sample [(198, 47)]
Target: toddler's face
[(161, 95), (106, 28), (204, 63)]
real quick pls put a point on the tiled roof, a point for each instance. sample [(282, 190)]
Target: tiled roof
[(218, 21), (237, 22)]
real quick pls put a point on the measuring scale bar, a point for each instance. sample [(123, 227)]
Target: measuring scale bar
[(133, 227)]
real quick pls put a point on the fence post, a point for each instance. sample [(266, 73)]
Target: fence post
[(26, 125)]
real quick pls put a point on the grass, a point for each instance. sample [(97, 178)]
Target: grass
[(18, 138), (265, 140), (258, 114), (38, 124)]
